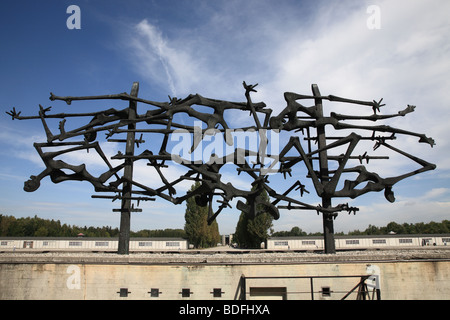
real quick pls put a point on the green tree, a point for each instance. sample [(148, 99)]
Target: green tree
[(198, 232), (372, 230), (251, 232), (395, 227), (297, 232), (5, 223), (241, 235), (41, 232)]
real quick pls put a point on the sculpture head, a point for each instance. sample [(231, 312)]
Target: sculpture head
[(32, 184), (276, 123), (389, 194)]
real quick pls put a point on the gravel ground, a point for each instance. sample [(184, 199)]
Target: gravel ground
[(218, 257)]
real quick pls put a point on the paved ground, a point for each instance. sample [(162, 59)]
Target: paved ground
[(232, 256)]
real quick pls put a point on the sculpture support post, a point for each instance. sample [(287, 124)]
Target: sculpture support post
[(125, 212), (328, 228)]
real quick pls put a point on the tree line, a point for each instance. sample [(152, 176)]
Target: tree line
[(392, 227), (407, 228), (11, 226), (250, 233)]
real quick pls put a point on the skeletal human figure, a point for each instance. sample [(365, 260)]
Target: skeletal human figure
[(54, 168), (294, 123), (212, 120), (166, 112), (375, 182), (209, 176)]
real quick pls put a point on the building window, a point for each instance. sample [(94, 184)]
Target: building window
[(217, 292), (351, 241), (123, 292), (172, 244), (75, 243), (379, 241), (145, 244), (326, 292), (280, 243), (308, 242), (268, 293), (405, 240), (154, 292), (101, 243), (4, 243), (186, 292)]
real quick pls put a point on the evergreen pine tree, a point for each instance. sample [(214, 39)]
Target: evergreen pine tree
[(199, 233), (251, 232)]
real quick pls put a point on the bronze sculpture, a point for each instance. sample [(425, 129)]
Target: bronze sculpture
[(159, 119)]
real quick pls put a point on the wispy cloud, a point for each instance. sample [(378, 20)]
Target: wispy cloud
[(164, 61), (159, 48)]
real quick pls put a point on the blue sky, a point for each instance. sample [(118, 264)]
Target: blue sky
[(209, 47)]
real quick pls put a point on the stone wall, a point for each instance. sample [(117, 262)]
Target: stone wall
[(90, 276)]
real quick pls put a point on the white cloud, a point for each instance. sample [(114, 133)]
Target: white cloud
[(435, 193), (171, 63), (158, 51)]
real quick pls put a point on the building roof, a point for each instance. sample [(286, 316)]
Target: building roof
[(365, 236)]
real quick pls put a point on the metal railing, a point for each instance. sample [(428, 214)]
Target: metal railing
[(366, 287)]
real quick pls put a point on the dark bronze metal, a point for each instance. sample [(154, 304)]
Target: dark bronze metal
[(125, 213), (328, 227), (159, 119)]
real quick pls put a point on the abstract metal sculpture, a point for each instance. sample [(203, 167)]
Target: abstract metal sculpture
[(159, 119)]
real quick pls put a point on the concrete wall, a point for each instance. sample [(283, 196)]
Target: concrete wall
[(398, 280)]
